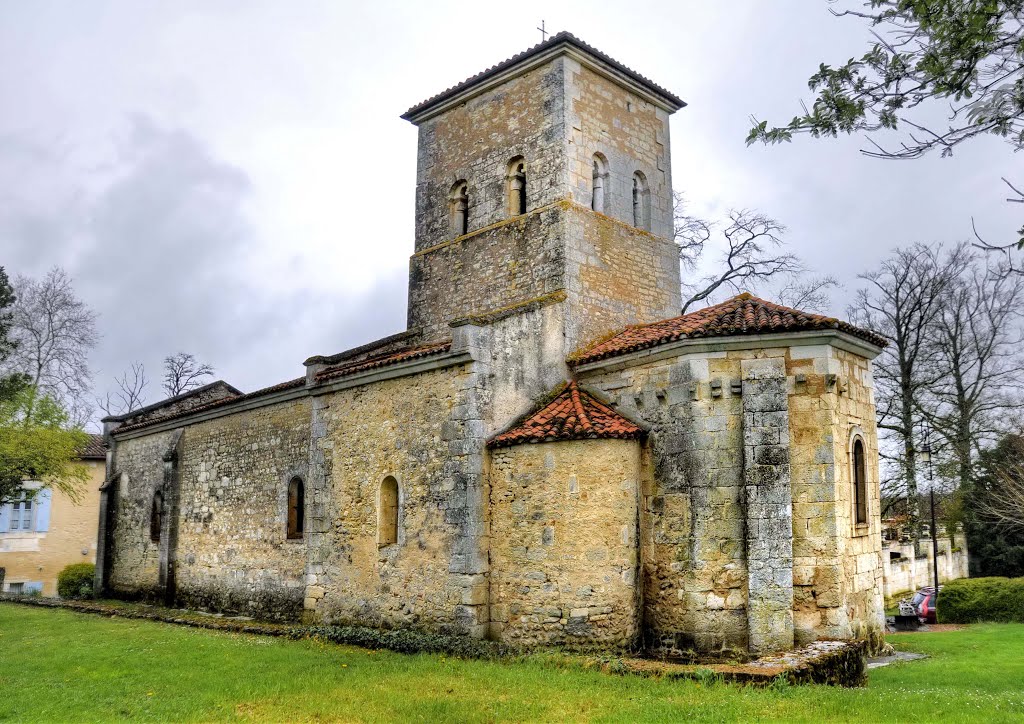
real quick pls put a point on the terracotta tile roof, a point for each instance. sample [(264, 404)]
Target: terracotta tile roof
[(384, 360), (743, 314), (94, 449), (573, 415), (563, 37), (328, 374), (361, 350), (230, 389), (290, 384)]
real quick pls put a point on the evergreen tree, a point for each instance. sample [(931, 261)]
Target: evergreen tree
[(996, 549)]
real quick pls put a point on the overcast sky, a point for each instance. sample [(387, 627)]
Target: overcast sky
[(233, 179)]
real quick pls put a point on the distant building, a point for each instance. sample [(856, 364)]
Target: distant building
[(39, 536), (549, 454)]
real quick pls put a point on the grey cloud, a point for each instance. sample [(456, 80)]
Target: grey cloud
[(163, 252)]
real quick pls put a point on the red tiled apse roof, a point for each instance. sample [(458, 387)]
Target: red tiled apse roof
[(572, 415), (742, 314)]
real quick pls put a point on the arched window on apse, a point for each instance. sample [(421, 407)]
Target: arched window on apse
[(860, 483)]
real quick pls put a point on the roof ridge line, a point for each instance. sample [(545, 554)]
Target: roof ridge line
[(574, 395)]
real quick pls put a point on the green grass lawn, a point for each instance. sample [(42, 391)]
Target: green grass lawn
[(56, 665)]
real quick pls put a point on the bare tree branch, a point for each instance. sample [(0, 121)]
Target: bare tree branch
[(974, 342), (900, 300), (749, 241), (1007, 507), (182, 372), (55, 332), (1006, 250), (129, 394), (808, 294)]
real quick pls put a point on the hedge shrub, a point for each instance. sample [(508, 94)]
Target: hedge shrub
[(982, 599), (75, 581)]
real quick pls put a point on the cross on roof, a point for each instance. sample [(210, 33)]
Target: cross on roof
[(543, 32)]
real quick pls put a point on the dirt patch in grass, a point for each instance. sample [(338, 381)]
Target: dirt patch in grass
[(940, 627)]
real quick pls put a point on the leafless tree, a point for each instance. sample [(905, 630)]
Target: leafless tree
[(751, 253), (55, 331), (900, 300), (806, 293), (1010, 264), (1006, 508), (182, 372), (974, 348), (129, 394)]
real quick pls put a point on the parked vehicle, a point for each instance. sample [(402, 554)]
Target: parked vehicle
[(925, 604)]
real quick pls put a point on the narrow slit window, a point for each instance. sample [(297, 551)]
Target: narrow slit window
[(599, 184), (860, 485), (156, 514), (641, 202), (458, 203), (387, 516), (296, 509), (517, 186)]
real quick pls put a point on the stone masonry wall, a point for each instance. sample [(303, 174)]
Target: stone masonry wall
[(525, 355), (135, 562), (564, 543), (854, 412), (233, 553), (768, 505), (420, 431), (692, 524), (818, 590), (616, 276), (694, 513), (837, 569), (516, 261), (230, 552), (904, 571), (633, 135), (476, 141)]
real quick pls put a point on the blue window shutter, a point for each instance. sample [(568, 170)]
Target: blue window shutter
[(5, 518), (42, 506), (32, 586)]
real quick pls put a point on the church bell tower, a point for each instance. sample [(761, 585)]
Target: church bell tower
[(545, 177)]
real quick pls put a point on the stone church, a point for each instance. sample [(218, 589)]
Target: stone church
[(549, 454)]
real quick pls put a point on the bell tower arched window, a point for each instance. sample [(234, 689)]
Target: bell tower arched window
[(296, 509), (641, 202), (458, 206), (600, 184), (517, 186)]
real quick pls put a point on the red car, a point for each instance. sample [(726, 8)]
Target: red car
[(924, 603)]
